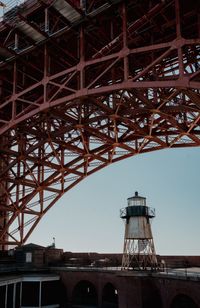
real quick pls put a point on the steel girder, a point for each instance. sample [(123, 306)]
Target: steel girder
[(78, 92)]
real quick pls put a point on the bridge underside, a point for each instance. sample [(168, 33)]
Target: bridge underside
[(83, 85)]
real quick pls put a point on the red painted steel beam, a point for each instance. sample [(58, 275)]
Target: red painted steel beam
[(120, 79)]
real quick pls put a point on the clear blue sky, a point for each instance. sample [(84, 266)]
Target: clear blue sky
[(87, 217)]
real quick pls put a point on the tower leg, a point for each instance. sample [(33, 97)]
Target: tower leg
[(3, 201), (139, 254)]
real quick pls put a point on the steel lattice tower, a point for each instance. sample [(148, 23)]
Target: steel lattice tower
[(139, 250), (84, 84)]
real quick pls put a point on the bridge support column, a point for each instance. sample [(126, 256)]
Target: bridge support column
[(3, 198)]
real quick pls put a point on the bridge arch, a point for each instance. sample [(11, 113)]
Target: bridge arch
[(84, 294), (115, 93)]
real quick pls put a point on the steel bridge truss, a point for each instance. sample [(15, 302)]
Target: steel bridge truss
[(86, 84)]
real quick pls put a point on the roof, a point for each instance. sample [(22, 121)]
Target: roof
[(31, 246)]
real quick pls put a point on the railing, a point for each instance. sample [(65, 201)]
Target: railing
[(169, 273), (123, 212), (137, 210), (151, 212), (184, 273)]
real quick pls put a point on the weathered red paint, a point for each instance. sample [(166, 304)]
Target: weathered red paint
[(120, 79)]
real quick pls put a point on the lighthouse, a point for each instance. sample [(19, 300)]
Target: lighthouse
[(139, 251)]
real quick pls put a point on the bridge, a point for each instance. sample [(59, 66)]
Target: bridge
[(84, 84)]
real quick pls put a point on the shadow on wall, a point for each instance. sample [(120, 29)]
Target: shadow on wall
[(183, 301), (151, 297), (84, 295), (110, 296)]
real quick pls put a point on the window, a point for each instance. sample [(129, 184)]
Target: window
[(28, 257)]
